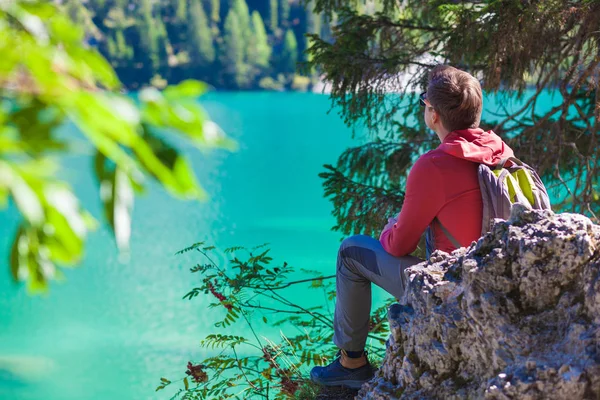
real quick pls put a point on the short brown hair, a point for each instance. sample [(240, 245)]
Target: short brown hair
[(456, 97)]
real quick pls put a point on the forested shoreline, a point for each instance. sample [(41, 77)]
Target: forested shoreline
[(230, 44)]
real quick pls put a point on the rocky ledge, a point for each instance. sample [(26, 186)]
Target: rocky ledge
[(514, 316)]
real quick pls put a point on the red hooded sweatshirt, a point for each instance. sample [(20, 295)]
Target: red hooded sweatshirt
[(443, 183)]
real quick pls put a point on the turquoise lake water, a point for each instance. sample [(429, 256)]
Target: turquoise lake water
[(116, 326)]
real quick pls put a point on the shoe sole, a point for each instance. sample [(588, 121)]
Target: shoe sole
[(348, 384)]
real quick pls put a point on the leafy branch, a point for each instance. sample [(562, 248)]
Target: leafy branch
[(50, 77), (253, 293)]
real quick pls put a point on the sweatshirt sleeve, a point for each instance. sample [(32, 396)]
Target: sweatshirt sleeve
[(423, 200)]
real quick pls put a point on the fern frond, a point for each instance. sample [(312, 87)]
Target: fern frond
[(222, 341), (232, 249), (188, 249), (260, 246)]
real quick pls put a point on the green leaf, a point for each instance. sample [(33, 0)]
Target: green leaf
[(316, 359), (8, 142), (90, 222), (38, 170), (188, 88), (25, 197), (125, 108), (123, 198), (52, 80), (116, 193), (106, 130), (264, 319), (34, 123), (105, 173), (233, 249), (34, 26), (96, 113), (316, 283), (14, 255), (99, 68), (186, 383), (47, 80), (30, 260), (66, 32), (44, 10), (190, 248), (170, 168), (185, 117), (64, 239), (4, 193), (186, 180)]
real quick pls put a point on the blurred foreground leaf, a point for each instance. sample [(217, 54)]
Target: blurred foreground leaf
[(50, 77)]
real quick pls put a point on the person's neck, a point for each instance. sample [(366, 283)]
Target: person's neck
[(442, 133)]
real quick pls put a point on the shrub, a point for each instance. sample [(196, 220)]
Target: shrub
[(252, 293)]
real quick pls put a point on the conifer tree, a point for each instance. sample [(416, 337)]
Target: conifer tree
[(243, 15), (556, 53), (111, 48), (181, 11), (260, 51), (289, 56), (149, 34), (116, 17), (313, 25), (313, 22), (273, 15), (232, 52), (162, 42), (214, 8), (326, 33), (202, 50), (97, 4), (284, 12), (139, 37), (123, 51)]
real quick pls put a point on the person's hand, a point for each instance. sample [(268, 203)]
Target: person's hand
[(390, 224)]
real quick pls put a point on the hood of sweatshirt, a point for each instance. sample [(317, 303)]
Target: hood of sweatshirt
[(476, 145)]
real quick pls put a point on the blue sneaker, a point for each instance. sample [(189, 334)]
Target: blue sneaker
[(335, 374)]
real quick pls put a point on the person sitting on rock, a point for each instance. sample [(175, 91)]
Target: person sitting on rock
[(442, 199)]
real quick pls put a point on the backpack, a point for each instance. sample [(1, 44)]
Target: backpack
[(501, 186)]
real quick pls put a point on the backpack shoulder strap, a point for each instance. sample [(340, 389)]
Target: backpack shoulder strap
[(447, 233), (513, 160), (495, 195)]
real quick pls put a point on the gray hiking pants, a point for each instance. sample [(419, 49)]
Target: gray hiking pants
[(362, 260)]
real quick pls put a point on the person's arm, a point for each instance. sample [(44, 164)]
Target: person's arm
[(423, 200)]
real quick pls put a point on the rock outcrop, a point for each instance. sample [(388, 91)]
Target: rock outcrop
[(514, 316)]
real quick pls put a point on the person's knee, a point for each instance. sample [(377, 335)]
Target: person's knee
[(355, 241), (357, 249), (347, 243)]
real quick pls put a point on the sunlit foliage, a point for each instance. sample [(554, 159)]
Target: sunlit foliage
[(50, 78)]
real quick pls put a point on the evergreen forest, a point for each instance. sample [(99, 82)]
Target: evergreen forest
[(230, 44)]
